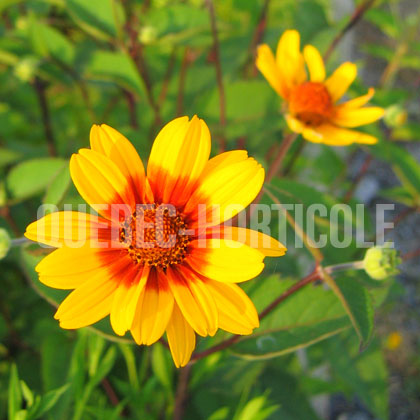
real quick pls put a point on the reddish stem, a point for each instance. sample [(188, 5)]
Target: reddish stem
[(232, 340)]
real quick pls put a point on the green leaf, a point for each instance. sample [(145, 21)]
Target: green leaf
[(116, 67), (105, 365), (15, 393), (256, 409), (162, 366), (363, 374), (27, 393), (399, 194), (384, 20), (309, 305), (357, 304), (48, 42), (404, 164), (310, 19), (8, 156), (178, 24), (97, 17), (277, 343), (49, 400), (32, 176), (58, 187)]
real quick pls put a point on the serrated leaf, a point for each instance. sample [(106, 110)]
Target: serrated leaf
[(277, 343), (356, 302), (32, 176)]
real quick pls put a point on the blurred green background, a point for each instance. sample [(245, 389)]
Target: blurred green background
[(66, 64)]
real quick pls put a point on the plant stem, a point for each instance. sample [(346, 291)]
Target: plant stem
[(219, 75), (356, 181), (40, 89), (232, 340), (257, 37), (135, 50), (167, 77), (297, 286), (357, 15), (131, 104), (181, 392), (19, 241), (278, 161), (354, 265), (181, 83)]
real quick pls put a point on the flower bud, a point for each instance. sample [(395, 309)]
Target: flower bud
[(5, 243), (395, 116), (147, 35), (381, 262), (25, 69)]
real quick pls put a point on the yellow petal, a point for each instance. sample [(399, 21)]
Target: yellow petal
[(294, 124), (266, 64), (181, 338), (178, 157), (125, 300), (100, 182), (290, 60), (267, 245), (360, 101), (223, 160), (346, 117), (89, 303), (153, 310), (193, 301), (203, 298), (224, 192), (59, 270), (66, 228), (337, 136), (237, 313), (315, 63), (338, 83), (225, 260), (108, 141)]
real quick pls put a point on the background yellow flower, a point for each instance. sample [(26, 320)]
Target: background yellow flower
[(312, 107)]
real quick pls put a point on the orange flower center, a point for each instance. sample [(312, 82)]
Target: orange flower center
[(311, 103), (155, 236)]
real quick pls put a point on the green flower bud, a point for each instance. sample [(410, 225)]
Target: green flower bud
[(5, 243), (25, 69), (147, 35), (381, 262), (395, 116)]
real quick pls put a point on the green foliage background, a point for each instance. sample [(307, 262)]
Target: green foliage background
[(66, 64)]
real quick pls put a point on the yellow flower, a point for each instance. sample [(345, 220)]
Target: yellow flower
[(312, 104), (149, 269)]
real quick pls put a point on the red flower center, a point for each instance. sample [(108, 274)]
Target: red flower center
[(311, 103), (155, 235)]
